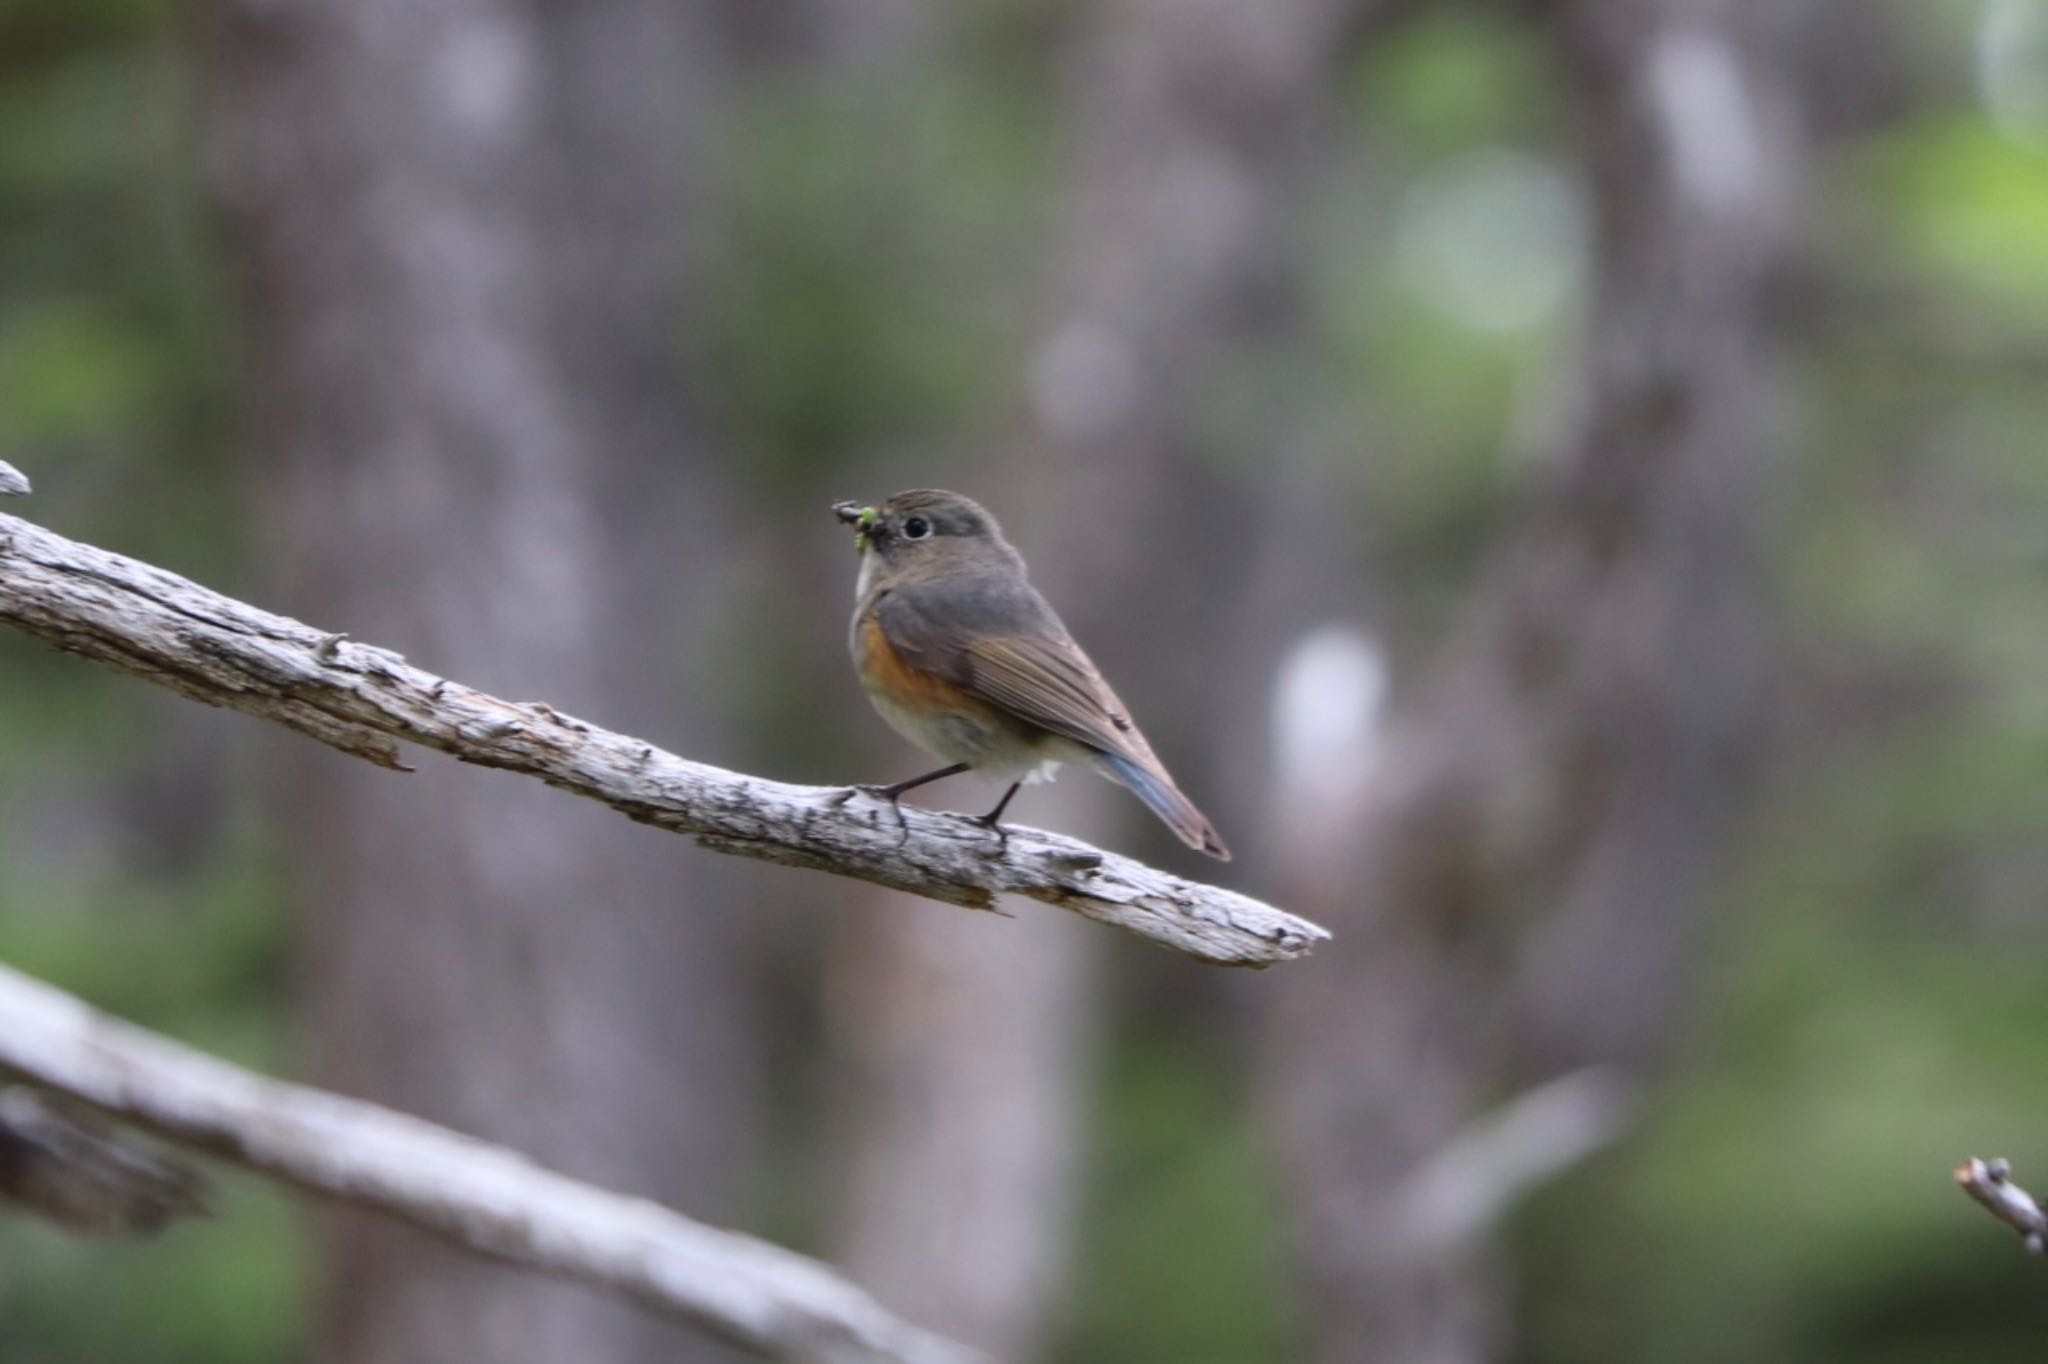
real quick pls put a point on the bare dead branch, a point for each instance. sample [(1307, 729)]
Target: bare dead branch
[(364, 701), (1990, 1183), (481, 1196), (12, 484), (89, 1178)]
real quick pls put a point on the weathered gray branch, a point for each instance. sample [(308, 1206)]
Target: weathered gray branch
[(482, 1196), (12, 484), (363, 700), (1990, 1183)]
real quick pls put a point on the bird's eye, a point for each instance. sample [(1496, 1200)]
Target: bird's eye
[(916, 528)]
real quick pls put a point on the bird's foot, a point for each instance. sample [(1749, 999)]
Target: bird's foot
[(994, 826), (895, 800), (993, 819)]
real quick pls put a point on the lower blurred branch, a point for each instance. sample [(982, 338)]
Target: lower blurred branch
[(483, 1197), (1990, 1183)]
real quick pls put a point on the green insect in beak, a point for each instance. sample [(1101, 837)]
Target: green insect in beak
[(862, 519)]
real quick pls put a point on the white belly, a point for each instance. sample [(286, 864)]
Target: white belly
[(991, 751)]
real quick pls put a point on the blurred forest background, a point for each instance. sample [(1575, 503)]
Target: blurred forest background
[(1561, 482)]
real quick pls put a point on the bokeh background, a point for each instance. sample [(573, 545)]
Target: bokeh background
[(1561, 482)]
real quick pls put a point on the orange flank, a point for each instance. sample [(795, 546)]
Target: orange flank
[(885, 673)]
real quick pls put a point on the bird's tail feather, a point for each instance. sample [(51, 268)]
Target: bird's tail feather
[(1151, 785)]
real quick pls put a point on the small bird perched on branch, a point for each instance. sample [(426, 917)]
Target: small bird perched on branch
[(963, 658)]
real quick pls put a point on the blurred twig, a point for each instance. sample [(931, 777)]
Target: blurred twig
[(364, 700), (481, 1196), (92, 1180), (1990, 1183), (1464, 1191), (12, 483)]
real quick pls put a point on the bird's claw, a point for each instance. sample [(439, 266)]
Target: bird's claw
[(995, 826), (895, 805)]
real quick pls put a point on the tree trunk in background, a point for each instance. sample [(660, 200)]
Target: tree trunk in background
[(1161, 392), (463, 228), (1177, 387), (1571, 769), (964, 1048), (967, 1042)]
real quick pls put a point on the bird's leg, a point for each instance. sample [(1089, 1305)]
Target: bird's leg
[(893, 793), (992, 820)]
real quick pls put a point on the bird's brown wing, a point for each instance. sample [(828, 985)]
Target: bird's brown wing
[(1002, 643), (999, 641), (1051, 683)]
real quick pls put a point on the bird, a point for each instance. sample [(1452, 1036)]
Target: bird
[(964, 658)]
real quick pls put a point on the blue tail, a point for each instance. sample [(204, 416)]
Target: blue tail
[(1149, 782)]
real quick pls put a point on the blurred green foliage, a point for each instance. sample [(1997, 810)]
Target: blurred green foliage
[(1875, 1012), (1971, 206), (113, 387), (1182, 1261)]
